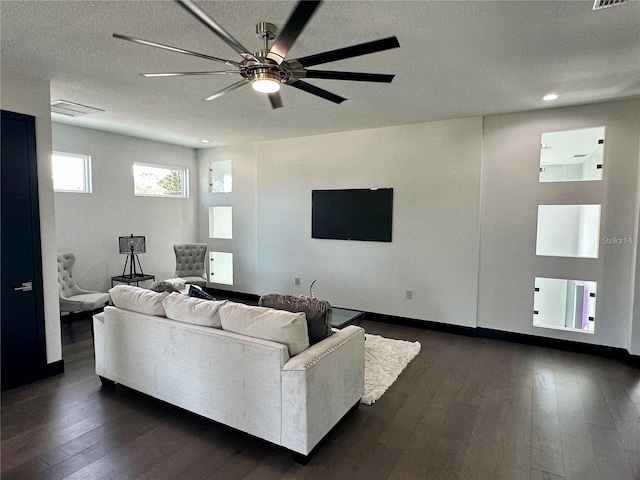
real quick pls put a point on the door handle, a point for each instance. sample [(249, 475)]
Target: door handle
[(26, 287)]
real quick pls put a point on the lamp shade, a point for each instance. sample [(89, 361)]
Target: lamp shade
[(132, 244)]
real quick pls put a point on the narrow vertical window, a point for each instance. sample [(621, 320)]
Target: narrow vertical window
[(220, 179), (221, 270), (220, 222)]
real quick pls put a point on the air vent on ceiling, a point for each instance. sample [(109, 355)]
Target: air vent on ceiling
[(71, 109), (599, 4)]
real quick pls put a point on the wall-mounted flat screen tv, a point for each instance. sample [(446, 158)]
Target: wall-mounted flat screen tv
[(355, 214)]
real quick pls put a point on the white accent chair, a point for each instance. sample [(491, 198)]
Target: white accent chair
[(73, 299), (190, 264)]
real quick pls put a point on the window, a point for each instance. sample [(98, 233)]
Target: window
[(71, 172), (160, 180), (220, 179), (564, 304), (568, 230), (221, 270), (220, 222), (572, 155)]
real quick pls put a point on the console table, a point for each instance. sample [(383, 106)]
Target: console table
[(341, 317), (130, 280)]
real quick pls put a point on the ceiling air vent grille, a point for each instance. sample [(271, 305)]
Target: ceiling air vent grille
[(599, 4), (71, 109)]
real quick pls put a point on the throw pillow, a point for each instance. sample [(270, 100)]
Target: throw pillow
[(163, 287), (287, 328), (138, 299), (318, 312), (193, 310), (197, 292)]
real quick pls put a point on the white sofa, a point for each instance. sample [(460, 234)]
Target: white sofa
[(251, 384)]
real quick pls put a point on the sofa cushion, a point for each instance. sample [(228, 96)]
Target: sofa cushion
[(317, 312), (193, 310), (138, 299), (279, 326)]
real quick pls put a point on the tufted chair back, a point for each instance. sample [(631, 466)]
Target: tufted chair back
[(72, 297), (190, 259), (67, 286)]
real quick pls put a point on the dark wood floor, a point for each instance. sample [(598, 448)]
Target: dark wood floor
[(465, 408)]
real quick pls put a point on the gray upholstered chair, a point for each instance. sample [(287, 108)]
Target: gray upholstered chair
[(190, 264), (74, 299)]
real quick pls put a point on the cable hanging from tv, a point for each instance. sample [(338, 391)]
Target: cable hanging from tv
[(132, 246)]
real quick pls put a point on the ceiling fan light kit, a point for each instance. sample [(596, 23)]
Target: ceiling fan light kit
[(265, 81), (268, 69)]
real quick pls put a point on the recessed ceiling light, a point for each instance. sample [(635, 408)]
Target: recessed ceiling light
[(551, 96), (204, 140)]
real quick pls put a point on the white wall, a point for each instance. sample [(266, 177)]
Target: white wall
[(29, 96), (510, 196), (434, 169), (634, 341), (89, 224), (441, 172)]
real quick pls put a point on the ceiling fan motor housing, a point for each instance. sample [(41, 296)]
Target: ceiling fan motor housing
[(265, 73)]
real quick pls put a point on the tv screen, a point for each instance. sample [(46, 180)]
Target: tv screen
[(354, 214), (137, 242)]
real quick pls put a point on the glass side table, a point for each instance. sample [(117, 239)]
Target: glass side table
[(341, 317)]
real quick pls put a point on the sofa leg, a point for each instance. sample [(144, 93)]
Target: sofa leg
[(300, 459), (106, 383)]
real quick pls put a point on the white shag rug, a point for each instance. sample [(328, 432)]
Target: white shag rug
[(384, 360)]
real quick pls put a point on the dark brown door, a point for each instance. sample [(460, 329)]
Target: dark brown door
[(23, 337)]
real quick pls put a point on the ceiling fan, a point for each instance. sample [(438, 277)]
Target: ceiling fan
[(268, 69)]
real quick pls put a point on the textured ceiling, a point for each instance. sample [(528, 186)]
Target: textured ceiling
[(457, 59)]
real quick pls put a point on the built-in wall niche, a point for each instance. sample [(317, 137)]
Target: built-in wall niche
[(220, 177), (221, 268), (568, 230), (572, 155), (564, 304), (221, 222)]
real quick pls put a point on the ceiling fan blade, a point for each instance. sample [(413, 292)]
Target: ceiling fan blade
[(185, 74), (312, 89), (294, 26), (211, 24), (276, 100), (173, 49), (227, 89), (355, 76), (349, 52)]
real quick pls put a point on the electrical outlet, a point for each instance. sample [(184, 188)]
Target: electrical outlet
[(296, 280), (409, 294)]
